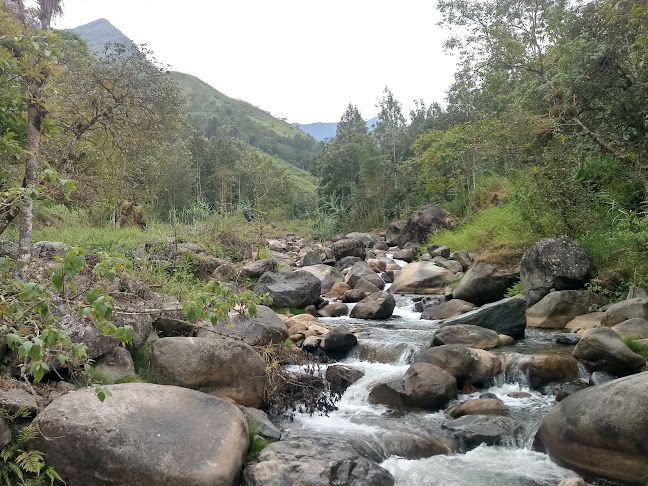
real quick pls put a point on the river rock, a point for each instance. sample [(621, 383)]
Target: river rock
[(405, 255), (540, 369), (295, 289), (600, 377), (367, 239), (474, 430), (339, 341), (311, 258), (601, 431), (423, 223), (363, 270), (115, 365), (258, 421), (421, 278), (336, 309), (428, 386), (462, 257), (635, 328), (340, 288), (555, 263), (307, 462), (366, 287), (454, 267), (346, 262), (586, 321), (556, 309), (377, 265), (624, 310), (445, 310), (379, 305), (348, 247), (484, 283), (259, 267), (224, 368), (479, 406), (353, 295), (467, 365), (143, 435), (439, 251), (602, 349), (572, 482), (327, 275), (471, 336), (569, 338), (393, 234), (342, 377), (263, 329), (506, 316)]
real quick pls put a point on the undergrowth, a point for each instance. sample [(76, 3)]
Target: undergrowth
[(637, 347)]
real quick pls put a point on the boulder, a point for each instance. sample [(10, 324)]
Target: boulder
[(448, 309), (462, 257), (340, 288), (484, 283), (600, 377), (377, 265), (381, 245), (342, 377), (423, 223), (569, 338), (348, 247), (327, 275), (474, 430), (421, 278), (115, 365), (336, 309), (602, 349), (224, 273), (144, 435), (393, 234), (504, 317), (339, 341), (366, 238), (379, 305), (586, 321), (366, 287), (346, 262), (468, 366), (572, 482), (257, 268), (540, 369), (637, 293), (258, 421), (295, 289), (601, 431), (224, 368), (636, 328), (363, 270), (556, 309), (311, 258), (471, 336), (439, 251), (9, 249), (263, 329), (555, 263), (5, 433), (15, 400), (454, 267), (353, 295), (479, 406), (166, 326), (47, 250), (405, 255), (428, 386), (624, 310)]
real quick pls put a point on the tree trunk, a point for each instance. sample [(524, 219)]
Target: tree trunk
[(35, 117)]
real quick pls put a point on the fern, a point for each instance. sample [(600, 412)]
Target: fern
[(25, 467)]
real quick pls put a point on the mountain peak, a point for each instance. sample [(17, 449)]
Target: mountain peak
[(100, 32)]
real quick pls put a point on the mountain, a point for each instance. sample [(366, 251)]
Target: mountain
[(321, 131), (101, 32)]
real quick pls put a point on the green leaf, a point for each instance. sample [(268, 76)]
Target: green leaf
[(57, 282), (5, 265), (62, 358), (38, 374), (36, 353)]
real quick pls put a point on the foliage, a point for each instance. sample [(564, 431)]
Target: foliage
[(515, 289), (637, 347), (257, 443), (22, 467)]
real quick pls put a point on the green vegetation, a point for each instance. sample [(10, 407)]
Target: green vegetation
[(142, 363), (257, 443), (637, 347), (22, 467), (515, 289)]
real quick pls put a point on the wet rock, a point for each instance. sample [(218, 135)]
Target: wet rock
[(337, 309), (263, 329), (474, 430), (257, 268), (348, 247), (258, 420), (423, 223), (602, 349), (556, 309), (115, 365), (569, 338), (340, 288), (624, 310), (379, 305), (465, 364), (342, 377), (540, 369), (346, 262), (600, 377), (504, 340), (366, 238), (428, 386), (377, 265), (479, 406), (224, 368), (296, 289), (327, 275), (361, 270), (572, 482), (636, 328), (506, 316), (555, 263), (144, 434), (381, 245), (445, 310), (484, 283), (462, 257), (339, 341), (586, 321), (563, 390), (471, 336), (601, 431), (421, 278)]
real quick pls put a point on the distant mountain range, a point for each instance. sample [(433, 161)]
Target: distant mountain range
[(321, 131), (101, 32)]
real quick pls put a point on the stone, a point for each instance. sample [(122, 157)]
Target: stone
[(15, 400), (405, 255), (484, 283), (586, 321), (637, 293), (342, 377), (479, 406), (336, 309), (366, 238), (348, 247), (506, 316), (143, 435), (569, 338), (224, 273), (311, 258), (428, 386), (600, 377), (602, 349), (624, 310), (379, 305), (421, 278), (115, 365), (462, 257), (540, 369), (8, 249), (556, 309), (471, 336), (366, 287), (167, 326), (263, 329), (257, 268), (572, 482), (636, 328), (346, 262), (555, 263), (504, 340), (47, 250), (393, 234), (224, 368), (467, 365), (452, 266), (258, 420), (363, 270), (353, 295), (327, 275), (474, 430), (340, 288), (377, 265), (423, 223), (439, 251), (295, 289), (339, 341), (5, 433), (381, 245), (600, 431), (448, 309)]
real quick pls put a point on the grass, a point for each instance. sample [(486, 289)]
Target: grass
[(637, 347), (257, 443), (142, 363)]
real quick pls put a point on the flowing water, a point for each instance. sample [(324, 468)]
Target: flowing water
[(412, 445)]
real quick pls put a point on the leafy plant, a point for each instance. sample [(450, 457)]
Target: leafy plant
[(26, 467), (513, 290), (257, 442), (637, 347), (264, 252)]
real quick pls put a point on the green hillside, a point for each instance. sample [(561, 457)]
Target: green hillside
[(212, 112)]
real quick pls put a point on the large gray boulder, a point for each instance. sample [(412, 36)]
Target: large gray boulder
[(366, 238), (423, 223), (540, 369), (379, 305), (555, 263), (143, 435), (467, 365), (311, 258), (448, 309), (471, 336), (348, 247), (257, 268), (504, 317), (421, 278), (115, 365), (484, 283), (327, 275), (263, 329), (220, 367), (393, 234), (339, 341), (296, 289), (624, 310), (636, 328), (346, 262), (601, 431), (362, 270), (556, 309), (602, 349)]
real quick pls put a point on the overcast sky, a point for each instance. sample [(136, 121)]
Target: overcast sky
[(298, 59)]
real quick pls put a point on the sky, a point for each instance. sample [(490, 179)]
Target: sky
[(303, 60)]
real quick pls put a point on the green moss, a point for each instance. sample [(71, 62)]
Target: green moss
[(257, 443), (637, 347)]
